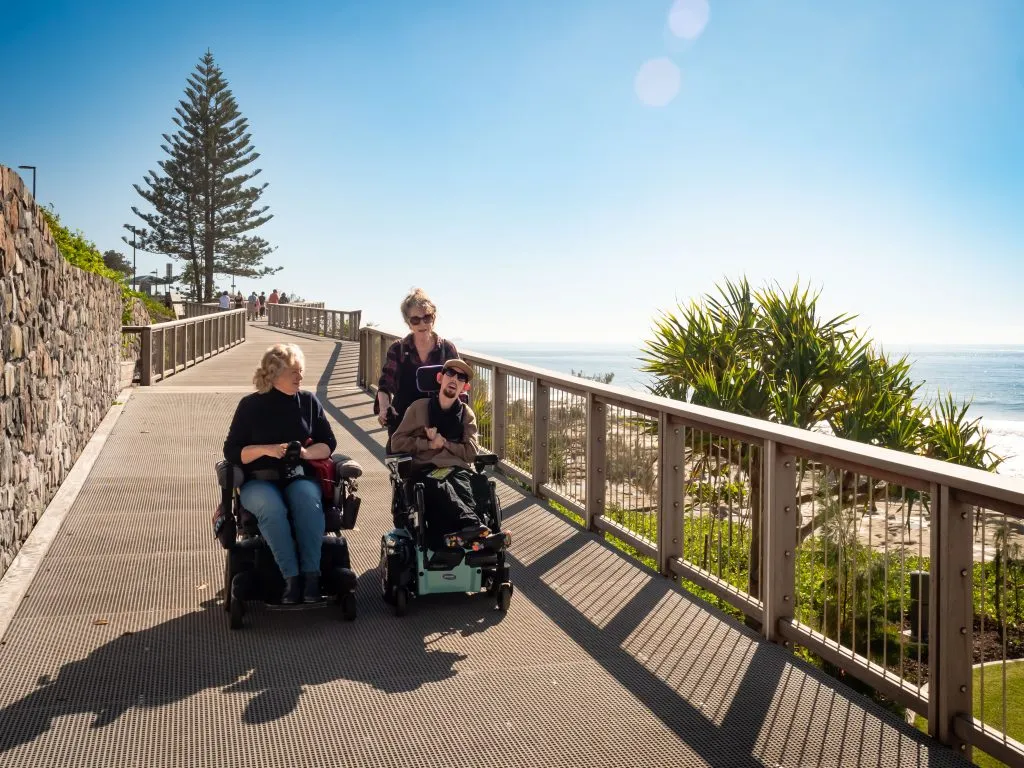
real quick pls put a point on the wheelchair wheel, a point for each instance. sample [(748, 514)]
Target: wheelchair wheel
[(401, 601), (228, 575), (348, 606), (386, 592), (236, 609), (504, 596)]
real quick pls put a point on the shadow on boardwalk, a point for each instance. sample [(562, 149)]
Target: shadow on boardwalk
[(272, 662), (598, 657)]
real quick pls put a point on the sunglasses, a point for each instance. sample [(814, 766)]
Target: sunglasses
[(416, 319), (457, 374)]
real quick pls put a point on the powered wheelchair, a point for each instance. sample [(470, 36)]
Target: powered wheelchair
[(250, 571), (416, 561)]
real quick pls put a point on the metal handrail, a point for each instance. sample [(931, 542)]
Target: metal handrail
[(958, 497), (170, 347), (329, 323)]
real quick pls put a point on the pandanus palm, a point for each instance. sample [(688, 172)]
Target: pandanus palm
[(770, 354)]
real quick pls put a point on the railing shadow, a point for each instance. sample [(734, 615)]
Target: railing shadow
[(732, 697)]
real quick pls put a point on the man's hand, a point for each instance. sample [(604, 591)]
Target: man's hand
[(275, 450), (437, 442)]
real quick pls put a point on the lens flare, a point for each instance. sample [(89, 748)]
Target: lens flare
[(688, 18), (657, 82)]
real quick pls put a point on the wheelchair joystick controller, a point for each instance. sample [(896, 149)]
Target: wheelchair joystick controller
[(292, 467)]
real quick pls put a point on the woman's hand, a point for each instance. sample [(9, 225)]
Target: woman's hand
[(252, 452), (431, 433), (276, 450), (437, 442), (383, 408)]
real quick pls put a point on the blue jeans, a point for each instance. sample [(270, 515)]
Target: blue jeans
[(270, 505)]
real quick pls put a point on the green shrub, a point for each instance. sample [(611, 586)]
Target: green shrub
[(83, 253)]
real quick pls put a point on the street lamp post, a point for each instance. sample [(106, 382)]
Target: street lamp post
[(134, 273), (33, 169)]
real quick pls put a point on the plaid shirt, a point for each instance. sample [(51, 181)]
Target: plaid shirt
[(397, 352)]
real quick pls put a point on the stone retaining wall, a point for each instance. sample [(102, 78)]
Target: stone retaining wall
[(60, 335)]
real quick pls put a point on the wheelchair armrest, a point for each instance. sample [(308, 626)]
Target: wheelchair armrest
[(346, 468), (229, 475), (399, 464), (395, 459), (485, 460)]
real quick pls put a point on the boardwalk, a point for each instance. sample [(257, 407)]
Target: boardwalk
[(120, 655)]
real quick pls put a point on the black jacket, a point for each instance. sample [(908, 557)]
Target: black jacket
[(274, 417)]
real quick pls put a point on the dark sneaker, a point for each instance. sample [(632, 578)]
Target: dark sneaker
[(292, 591), (311, 589)]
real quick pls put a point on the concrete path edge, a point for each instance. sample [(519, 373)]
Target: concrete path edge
[(18, 577)]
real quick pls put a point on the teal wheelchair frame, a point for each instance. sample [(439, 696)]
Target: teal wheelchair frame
[(409, 568)]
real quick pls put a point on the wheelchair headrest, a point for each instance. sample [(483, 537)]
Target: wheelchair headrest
[(426, 378)]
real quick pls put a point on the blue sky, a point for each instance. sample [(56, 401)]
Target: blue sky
[(507, 156)]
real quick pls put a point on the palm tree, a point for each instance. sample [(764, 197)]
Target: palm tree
[(771, 355)]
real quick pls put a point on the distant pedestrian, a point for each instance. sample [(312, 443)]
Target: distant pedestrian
[(224, 301)]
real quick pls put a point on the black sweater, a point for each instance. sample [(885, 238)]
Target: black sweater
[(275, 417)]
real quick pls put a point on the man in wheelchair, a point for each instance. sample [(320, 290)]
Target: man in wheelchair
[(439, 432)]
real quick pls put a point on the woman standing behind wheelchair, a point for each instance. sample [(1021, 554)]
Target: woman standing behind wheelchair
[(397, 390), (265, 422)]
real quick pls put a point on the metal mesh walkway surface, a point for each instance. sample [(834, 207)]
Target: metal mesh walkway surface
[(120, 654)]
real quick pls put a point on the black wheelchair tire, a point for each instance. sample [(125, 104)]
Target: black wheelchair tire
[(347, 602), (401, 601), (504, 597), (237, 609), (227, 583), (384, 576)]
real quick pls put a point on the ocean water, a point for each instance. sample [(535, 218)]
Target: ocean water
[(991, 377)]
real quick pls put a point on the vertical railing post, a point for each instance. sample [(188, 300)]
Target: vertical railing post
[(951, 626), (174, 349), (499, 411), (162, 346), (361, 365), (146, 352), (382, 346), (597, 426), (671, 490), (541, 434), (355, 319), (778, 540)]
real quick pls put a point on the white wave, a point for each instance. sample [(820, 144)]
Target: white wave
[(1006, 438)]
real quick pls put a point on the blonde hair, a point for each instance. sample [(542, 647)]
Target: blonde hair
[(417, 298), (275, 360)]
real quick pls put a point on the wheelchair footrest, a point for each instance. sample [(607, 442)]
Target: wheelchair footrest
[(278, 606)]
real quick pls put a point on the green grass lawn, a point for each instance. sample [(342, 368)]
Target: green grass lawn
[(993, 714), (994, 706)]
